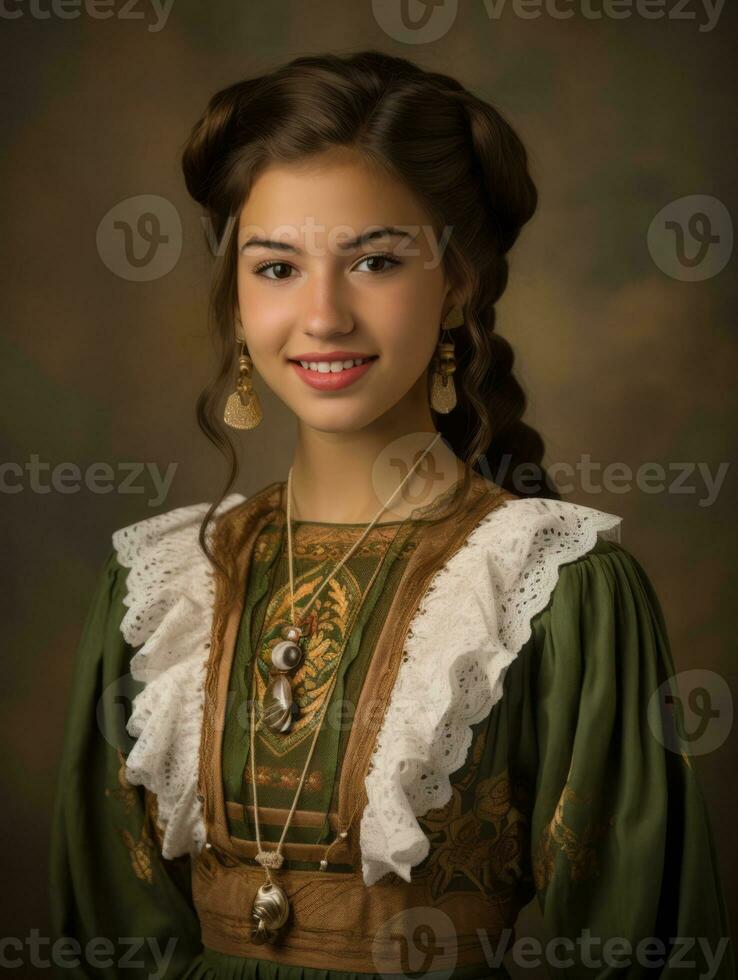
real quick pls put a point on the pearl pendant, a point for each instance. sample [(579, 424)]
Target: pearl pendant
[(270, 911), (279, 707), (286, 655)]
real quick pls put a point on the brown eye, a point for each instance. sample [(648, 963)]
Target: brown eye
[(381, 261), (266, 266)]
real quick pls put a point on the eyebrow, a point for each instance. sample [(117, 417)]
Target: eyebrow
[(385, 232)]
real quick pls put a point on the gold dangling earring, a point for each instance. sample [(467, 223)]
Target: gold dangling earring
[(443, 390), (243, 408)]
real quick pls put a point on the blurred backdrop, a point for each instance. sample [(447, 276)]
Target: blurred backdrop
[(621, 310)]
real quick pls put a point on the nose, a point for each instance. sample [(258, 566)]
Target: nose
[(326, 312)]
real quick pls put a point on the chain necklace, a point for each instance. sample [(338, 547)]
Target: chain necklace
[(271, 907)]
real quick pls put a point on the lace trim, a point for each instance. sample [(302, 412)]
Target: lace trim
[(472, 621), (170, 596), (458, 647)]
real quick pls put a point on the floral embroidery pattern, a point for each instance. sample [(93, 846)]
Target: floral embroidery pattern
[(560, 837), (287, 778), (124, 791), (480, 842), (320, 543), (331, 628), (141, 850)]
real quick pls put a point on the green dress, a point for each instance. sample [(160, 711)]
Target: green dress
[(564, 794)]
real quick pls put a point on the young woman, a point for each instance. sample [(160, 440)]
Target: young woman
[(382, 704)]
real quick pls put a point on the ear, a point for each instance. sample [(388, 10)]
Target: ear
[(450, 300), (238, 326)]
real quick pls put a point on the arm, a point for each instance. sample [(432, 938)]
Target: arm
[(622, 848), (108, 880)]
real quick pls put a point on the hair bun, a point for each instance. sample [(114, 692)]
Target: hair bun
[(503, 161), (208, 142)]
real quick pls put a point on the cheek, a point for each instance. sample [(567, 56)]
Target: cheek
[(410, 321), (263, 315)]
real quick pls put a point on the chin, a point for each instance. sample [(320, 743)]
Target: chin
[(336, 419)]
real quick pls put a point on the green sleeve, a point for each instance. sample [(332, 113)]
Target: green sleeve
[(108, 879), (621, 842)]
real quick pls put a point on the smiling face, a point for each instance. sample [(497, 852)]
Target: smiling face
[(337, 259)]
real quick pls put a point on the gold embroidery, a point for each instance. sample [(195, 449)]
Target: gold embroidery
[(125, 791), (330, 544), (140, 850), (560, 837), (311, 681), (286, 778), (267, 544), (321, 543), (485, 843)]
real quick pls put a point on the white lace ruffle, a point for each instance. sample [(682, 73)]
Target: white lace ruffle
[(170, 609), (470, 624)]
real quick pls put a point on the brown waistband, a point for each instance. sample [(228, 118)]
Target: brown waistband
[(337, 923)]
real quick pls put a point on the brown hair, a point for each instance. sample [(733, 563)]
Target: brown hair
[(460, 158)]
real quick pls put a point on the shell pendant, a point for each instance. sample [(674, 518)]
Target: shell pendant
[(279, 708), (270, 911)]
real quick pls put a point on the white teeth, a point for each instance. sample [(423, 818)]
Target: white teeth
[(333, 367)]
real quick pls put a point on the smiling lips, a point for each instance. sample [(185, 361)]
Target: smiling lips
[(328, 376)]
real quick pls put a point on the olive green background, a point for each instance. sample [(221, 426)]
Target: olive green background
[(620, 361)]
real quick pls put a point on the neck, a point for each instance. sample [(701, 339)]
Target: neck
[(346, 477)]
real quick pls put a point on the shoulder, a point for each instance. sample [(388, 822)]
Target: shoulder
[(533, 537), (603, 609), (182, 524), (507, 567), (151, 533), (164, 562), (608, 568)]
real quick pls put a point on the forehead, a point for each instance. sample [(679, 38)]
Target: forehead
[(335, 191)]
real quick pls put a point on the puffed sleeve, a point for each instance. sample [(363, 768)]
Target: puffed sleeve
[(109, 882), (622, 853)]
